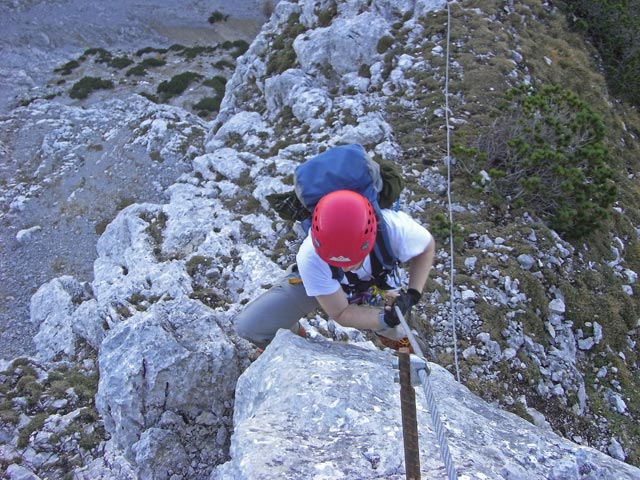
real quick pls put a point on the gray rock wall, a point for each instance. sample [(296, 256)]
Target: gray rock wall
[(328, 410)]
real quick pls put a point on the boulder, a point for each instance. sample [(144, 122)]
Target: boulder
[(321, 409)]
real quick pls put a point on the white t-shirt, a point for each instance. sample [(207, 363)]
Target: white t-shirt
[(407, 239)]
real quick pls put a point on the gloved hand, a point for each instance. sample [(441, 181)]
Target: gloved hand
[(404, 301)]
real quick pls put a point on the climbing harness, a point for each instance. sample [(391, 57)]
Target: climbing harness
[(420, 372)]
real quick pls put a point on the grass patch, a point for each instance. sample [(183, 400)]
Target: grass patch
[(284, 57)]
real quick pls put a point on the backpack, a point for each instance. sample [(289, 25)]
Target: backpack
[(346, 167)]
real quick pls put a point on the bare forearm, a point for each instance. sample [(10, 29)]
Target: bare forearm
[(360, 317), (349, 315), (420, 266)]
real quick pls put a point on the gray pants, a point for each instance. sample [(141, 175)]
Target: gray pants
[(279, 307)]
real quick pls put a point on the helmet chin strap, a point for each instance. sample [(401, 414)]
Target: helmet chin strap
[(351, 268)]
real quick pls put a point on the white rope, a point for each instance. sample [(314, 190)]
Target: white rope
[(452, 273)]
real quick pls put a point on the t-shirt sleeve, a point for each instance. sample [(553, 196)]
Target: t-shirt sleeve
[(407, 237), (315, 274)]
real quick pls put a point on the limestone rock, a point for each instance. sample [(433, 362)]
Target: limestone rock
[(172, 358), (328, 410)]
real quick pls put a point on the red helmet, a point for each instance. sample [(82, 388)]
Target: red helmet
[(343, 228)]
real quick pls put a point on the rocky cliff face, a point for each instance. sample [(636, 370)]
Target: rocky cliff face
[(318, 409), (152, 335)]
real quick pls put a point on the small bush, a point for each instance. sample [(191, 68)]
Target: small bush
[(153, 62), (85, 86), (67, 68), (150, 96), (384, 43), (104, 56), (285, 56), (36, 424), (192, 52), (267, 8), (146, 50), (364, 71), (325, 17), (217, 16), (208, 104), (138, 71), (240, 48), (281, 61), (547, 153), (120, 62), (614, 27), (177, 84), (218, 83), (222, 64)]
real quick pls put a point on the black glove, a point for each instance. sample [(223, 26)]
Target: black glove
[(404, 301), (389, 318)]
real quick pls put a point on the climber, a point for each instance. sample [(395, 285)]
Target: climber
[(338, 269)]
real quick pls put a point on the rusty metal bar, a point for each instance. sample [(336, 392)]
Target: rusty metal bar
[(409, 416)]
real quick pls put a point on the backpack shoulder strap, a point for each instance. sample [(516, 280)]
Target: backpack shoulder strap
[(382, 249)]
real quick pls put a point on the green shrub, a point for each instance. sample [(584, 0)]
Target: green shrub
[(150, 96), (177, 84), (83, 87), (442, 228), (547, 153), (281, 61), (384, 43), (34, 425), (138, 71), (222, 64), (364, 71), (208, 104), (326, 16), (284, 56), (67, 68), (192, 52), (614, 28), (218, 83), (240, 48), (146, 50), (103, 55), (153, 62), (217, 16), (120, 62)]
